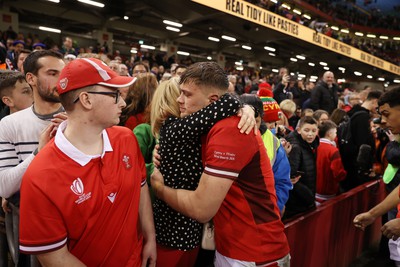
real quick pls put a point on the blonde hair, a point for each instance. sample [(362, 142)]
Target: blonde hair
[(164, 104), (288, 106)]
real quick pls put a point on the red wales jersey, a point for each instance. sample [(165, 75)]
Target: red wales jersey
[(89, 203), (247, 225)]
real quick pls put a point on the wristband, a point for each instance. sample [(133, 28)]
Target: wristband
[(35, 152)]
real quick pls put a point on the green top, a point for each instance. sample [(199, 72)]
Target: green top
[(146, 142)]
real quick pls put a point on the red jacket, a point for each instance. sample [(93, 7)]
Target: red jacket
[(330, 170)]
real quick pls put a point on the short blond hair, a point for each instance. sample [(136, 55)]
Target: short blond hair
[(164, 104), (288, 106)]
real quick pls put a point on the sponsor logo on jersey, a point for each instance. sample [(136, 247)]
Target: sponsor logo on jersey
[(78, 188), (127, 161), (111, 197)]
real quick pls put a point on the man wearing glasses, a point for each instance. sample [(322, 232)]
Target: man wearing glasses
[(85, 200), (139, 68)]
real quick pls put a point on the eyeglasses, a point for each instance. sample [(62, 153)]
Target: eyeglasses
[(115, 94)]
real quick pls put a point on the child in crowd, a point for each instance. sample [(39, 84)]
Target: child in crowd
[(320, 116), (289, 109), (330, 170), (15, 93), (302, 160)]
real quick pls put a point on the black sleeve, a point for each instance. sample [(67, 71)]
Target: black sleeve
[(295, 159), (193, 126), (315, 96), (393, 153)]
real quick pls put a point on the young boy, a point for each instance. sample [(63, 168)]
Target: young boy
[(302, 160), (15, 92), (330, 170)]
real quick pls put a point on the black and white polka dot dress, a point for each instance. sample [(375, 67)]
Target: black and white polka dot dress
[(181, 166)]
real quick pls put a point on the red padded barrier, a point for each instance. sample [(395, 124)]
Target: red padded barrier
[(326, 236)]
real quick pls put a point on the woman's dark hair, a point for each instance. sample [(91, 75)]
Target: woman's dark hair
[(338, 116)]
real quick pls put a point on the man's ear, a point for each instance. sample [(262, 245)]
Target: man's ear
[(213, 97), (8, 101), (30, 78), (85, 100)]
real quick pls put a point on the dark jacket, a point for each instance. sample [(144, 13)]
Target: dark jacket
[(393, 157), (281, 93), (302, 157), (360, 134), (324, 98)]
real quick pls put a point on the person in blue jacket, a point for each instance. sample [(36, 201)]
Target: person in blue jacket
[(276, 152)]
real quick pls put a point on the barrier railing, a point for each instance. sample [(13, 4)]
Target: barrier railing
[(326, 236)]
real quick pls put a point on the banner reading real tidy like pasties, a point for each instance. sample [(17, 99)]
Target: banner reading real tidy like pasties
[(250, 12)]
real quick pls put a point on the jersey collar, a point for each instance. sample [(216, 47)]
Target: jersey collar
[(72, 152)]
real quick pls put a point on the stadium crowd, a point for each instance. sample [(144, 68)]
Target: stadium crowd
[(346, 11), (305, 144)]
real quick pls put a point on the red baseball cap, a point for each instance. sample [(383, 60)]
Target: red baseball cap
[(83, 72)]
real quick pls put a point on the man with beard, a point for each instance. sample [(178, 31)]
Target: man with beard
[(24, 133), (324, 96)]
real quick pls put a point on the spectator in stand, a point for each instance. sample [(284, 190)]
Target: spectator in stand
[(320, 116), (178, 70), (38, 46), (325, 94), (138, 101), (161, 71), (21, 58), (238, 87), (15, 92), (289, 110), (338, 116), (123, 70), (278, 78), (352, 100), (281, 90), (303, 169), (113, 65), (139, 68), (67, 47), (364, 93), (3, 57), (306, 94), (360, 117), (104, 216), (307, 112), (17, 47), (330, 170), (68, 58)]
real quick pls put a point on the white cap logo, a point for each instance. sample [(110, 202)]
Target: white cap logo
[(63, 83)]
